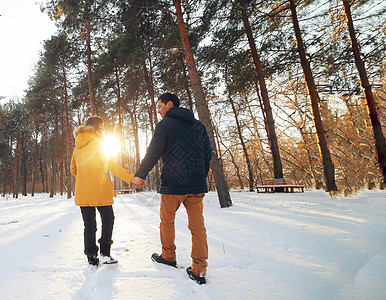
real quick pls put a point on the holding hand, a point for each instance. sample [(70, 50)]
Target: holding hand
[(138, 182)]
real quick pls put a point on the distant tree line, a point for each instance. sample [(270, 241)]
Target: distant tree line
[(292, 89)]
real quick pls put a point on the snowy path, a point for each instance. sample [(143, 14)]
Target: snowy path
[(267, 246)]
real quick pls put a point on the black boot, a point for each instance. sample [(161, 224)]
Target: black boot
[(93, 259), (92, 256), (194, 277), (159, 259), (105, 257)]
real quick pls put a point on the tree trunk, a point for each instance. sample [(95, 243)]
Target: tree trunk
[(277, 166), (35, 162), (120, 127), (16, 173), (380, 142), (90, 85), (62, 157), (134, 125), (203, 110), (233, 161), (148, 80), (7, 169), (257, 136), (52, 186), (23, 166), (186, 82), (329, 171), (55, 152), (68, 136), (246, 155), (150, 110), (237, 171), (42, 173)]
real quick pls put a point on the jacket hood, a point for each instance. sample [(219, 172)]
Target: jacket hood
[(83, 135), (180, 113)]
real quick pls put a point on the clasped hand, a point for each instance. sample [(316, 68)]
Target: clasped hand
[(138, 182)]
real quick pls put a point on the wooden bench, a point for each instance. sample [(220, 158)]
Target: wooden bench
[(125, 190), (270, 185)]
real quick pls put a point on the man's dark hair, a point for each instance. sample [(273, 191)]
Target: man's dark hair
[(166, 97), (94, 122)]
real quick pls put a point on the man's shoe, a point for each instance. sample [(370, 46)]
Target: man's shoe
[(159, 259), (107, 260), (198, 279), (93, 260)]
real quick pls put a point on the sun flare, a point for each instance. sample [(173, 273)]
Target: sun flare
[(111, 145)]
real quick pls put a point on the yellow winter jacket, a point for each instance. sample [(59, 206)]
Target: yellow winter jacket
[(88, 165)]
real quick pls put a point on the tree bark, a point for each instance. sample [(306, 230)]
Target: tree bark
[(120, 127), (246, 155), (203, 110), (256, 134), (148, 79), (134, 125), (42, 173), (277, 165), (55, 152), (35, 162), (89, 63), (23, 165), (62, 156), (152, 109), (16, 171), (329, 171), (7, 169), (233, 161), (186, 82), (68, 136), (380, 143)]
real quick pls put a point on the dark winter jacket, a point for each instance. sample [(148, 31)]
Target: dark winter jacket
[(184, 145)]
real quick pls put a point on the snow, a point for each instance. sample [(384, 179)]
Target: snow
[(266, 246)]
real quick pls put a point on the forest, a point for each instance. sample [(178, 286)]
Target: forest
[(286, 89)]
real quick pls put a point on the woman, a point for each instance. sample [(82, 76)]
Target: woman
[(93, 189)]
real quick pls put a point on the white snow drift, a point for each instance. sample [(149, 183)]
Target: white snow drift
[(266, 246)]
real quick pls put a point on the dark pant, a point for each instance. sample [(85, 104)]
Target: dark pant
[(90, 228)]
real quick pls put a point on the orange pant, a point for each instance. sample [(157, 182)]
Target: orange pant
[(194, 208)]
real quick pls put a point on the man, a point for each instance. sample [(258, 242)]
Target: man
[(184, 145)]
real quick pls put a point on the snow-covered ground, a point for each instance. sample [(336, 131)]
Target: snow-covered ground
[(266, 246)]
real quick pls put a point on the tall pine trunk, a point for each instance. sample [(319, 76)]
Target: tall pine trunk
[(89, 70), (120, 127), (34, 174), (186, 82), (329, 171), (6, 178), (203, 110), (16, 170), (380, 143), (277, 165), (23, 165), (151, 109), (68, 136), (134, 126), (62, 155), (246, 155), (55, 156)]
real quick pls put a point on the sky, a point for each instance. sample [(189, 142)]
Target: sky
[(23, 29)]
